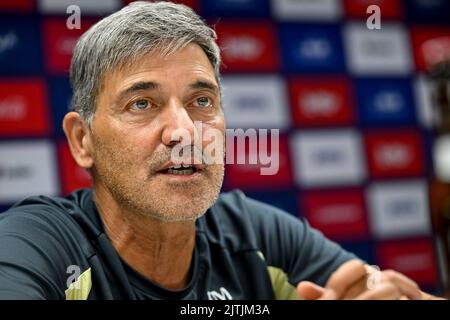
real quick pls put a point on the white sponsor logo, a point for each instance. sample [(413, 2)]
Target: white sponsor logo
[(411, 262), (393, 156), (307, 10), (242, 48), (27, 168), (328, 158), (319, 103), (338, 214), (8, 41), (86, 6), (12, 108), (255, 102), (386, 51), (398, 209), (317, 49), (388, 102)]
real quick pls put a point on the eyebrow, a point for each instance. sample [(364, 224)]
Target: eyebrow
[(204, 84), (138, 86)]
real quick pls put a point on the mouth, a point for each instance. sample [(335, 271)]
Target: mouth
[(180, 169)]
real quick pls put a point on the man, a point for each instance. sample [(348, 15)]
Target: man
[(151, 227)]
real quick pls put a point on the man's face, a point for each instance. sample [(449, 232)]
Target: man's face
[(138, 111)]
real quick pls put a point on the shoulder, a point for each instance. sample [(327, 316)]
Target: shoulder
[(40, 240), (42, 220), (37, 210)]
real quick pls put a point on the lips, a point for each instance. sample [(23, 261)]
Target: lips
[(181, 169)]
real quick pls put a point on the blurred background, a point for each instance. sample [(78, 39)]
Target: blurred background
[(363, 114)]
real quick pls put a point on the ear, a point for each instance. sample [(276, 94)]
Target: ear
[(79, 138)]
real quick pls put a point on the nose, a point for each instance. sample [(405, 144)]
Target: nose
[(177, 125)]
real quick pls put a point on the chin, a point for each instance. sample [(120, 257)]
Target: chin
[(178, 206)]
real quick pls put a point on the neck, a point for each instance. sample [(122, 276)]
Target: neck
[(161, 251)]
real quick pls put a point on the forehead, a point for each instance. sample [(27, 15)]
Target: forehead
[(185, 64)]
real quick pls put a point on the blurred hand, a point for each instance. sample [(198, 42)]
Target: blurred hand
[(355, 280)]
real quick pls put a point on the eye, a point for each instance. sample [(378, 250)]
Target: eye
[(203, 102), (141, 104)]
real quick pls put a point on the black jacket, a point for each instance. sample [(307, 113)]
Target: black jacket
[(56, 248)]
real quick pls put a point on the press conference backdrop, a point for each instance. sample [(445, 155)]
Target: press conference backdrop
[(352, 106)]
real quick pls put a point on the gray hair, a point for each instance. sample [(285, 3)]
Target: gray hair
[(125, 36)]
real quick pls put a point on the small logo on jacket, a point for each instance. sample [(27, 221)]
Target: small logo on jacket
[(223, 294)]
